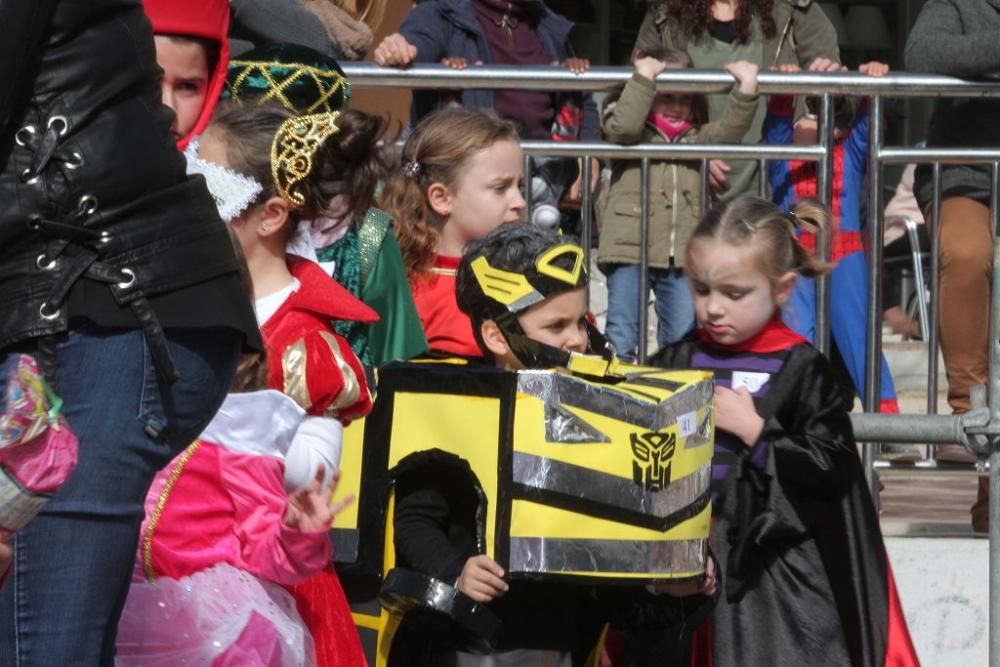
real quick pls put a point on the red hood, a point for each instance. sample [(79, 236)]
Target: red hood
[(198, 18)]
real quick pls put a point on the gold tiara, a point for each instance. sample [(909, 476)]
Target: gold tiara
[(292, 151)]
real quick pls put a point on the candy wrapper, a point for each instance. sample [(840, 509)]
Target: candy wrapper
[(38, 450)]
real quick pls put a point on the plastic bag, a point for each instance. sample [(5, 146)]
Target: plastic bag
[(38, 450)]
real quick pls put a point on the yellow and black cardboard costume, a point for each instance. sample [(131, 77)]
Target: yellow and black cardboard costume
[(593, 480), (597, 472)]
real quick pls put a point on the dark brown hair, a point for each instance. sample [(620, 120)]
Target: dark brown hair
[(696, 15), (769, 232), (439, 148), (348, 164), (209, 47)]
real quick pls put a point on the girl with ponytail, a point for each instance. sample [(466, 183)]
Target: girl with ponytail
[(461, 178), (805, 577)]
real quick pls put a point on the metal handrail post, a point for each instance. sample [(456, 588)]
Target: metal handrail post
[(528, 195), (933, 342), (873, 334), (705, 193), (918, 275), (824, 191), (586, 213), (994, 443), (586, 216), (643, 257)]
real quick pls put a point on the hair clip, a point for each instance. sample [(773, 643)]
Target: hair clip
[(794, 219), (412, 169)]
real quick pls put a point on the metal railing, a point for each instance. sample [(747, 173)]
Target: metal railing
[(979, 429)]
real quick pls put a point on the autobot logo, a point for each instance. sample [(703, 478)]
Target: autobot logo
[(652, 453)]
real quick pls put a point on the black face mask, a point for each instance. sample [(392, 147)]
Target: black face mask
[(537, 355)]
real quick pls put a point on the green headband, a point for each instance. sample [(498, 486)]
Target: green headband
[(298, 78)]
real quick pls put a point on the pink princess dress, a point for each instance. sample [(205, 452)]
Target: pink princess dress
[(214, 547)]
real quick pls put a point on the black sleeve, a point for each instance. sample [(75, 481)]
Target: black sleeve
[(24, 25), (431, 533), (811, 438)]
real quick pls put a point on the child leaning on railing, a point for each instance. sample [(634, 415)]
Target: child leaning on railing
[(641, 114)]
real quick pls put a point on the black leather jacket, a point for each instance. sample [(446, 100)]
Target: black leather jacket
[(92, 187)]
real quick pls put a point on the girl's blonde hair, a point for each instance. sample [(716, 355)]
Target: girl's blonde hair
[(436, 152), (769, 232)]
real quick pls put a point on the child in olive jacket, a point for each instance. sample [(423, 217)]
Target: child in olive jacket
[(641, 114)]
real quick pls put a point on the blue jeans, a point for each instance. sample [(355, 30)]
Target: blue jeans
[(674, 307), (73, 563)]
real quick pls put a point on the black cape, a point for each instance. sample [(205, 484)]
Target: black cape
[(805, 576)]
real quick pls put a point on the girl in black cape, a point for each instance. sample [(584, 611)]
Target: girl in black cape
[(805, 576)]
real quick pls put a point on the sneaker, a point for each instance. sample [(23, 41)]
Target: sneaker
[(901, 453)]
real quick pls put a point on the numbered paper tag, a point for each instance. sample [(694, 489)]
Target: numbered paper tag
[(752, 381), (687, 424)]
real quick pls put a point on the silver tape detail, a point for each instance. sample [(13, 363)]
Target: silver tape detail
[(686, 400), (569, 391), (596, 557), (547, 474)]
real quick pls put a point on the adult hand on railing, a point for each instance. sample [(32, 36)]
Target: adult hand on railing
[(575, 65), (458, 63), (874, 68), (395, 51), (825, 65)]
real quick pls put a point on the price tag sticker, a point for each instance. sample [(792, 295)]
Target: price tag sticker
[(687, 424)]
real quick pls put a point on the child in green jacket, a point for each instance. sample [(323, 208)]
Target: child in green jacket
[(642, 114)]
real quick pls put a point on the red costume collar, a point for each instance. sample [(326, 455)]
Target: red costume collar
[(323, 295), (774, 337)]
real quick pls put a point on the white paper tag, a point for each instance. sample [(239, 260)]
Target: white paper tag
[(687, 424), (752, 381)]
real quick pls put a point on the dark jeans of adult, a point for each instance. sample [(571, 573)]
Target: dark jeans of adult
[(73, 563), (966, 278)]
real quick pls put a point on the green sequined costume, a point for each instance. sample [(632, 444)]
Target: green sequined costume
[(367, 262)]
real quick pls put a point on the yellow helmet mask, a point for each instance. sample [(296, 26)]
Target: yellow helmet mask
[(506, 294)]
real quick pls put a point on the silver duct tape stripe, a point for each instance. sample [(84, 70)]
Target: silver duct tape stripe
[(687, 400), (547, 474), (703, 436), (544, 555), (566, 390), (535, 383), (564, 427)]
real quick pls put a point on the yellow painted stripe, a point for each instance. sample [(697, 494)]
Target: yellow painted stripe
[(366, 621)]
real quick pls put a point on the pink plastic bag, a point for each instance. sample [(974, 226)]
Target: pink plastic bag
[(38, 450)]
